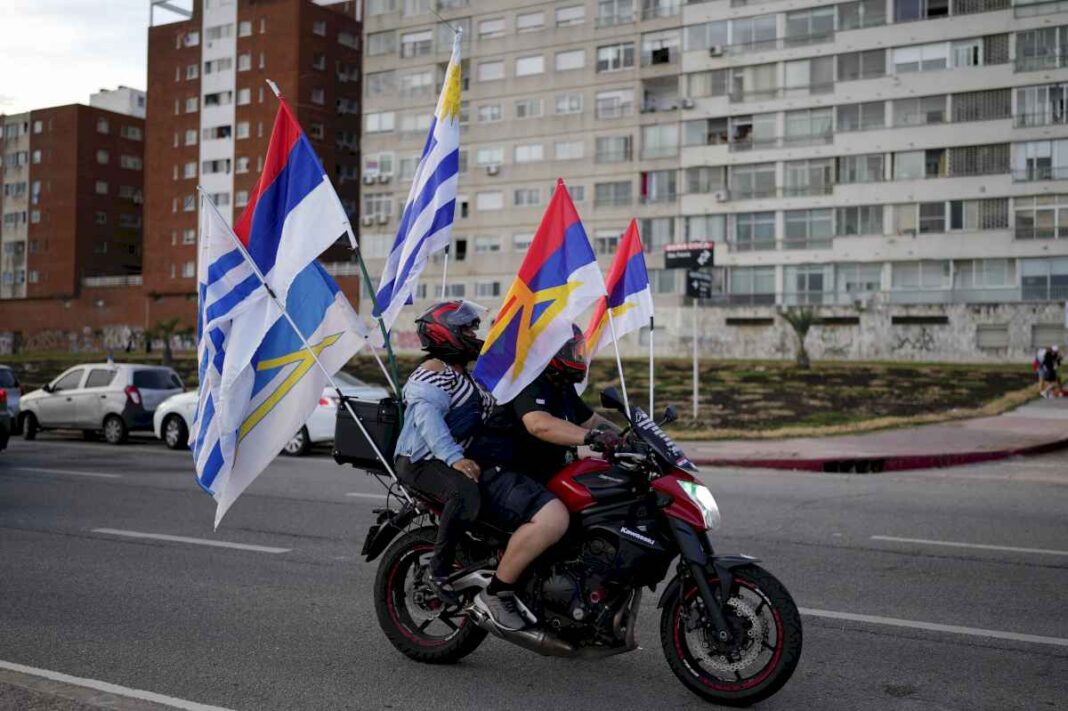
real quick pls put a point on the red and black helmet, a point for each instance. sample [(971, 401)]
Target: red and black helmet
[(569, 363), (447, 331)]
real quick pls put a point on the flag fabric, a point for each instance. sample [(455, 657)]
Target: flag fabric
[(629, 297), (426, 222), (558, 280)]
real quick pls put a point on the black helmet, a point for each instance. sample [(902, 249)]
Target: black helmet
[(569, 363), (447, 331)]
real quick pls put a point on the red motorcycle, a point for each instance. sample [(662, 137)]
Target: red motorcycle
[(730, 631)]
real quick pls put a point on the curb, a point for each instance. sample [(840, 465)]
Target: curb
[(877, 464)]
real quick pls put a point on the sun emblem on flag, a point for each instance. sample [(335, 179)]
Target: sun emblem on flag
[(450, 94), (521, 303)]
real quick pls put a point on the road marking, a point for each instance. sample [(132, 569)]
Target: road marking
[(110, 688), (72, 472), (366, 496), (934, 627), (195, 541), (981, 546)]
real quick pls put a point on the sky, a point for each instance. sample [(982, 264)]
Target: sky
[(57, 52)]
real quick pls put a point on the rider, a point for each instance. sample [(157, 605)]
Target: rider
[(536, 434)]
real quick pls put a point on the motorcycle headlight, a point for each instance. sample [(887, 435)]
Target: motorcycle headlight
[(702, 496)]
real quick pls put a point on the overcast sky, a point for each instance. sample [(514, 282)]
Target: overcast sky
[(56, 52)]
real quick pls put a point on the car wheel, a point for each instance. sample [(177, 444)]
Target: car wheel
[(29, 427), (299, 444), (175, 433), (114, 430)]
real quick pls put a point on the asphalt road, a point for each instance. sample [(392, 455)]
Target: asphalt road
[(288, 622)]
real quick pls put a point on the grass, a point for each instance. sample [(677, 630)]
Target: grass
[(738, 399)]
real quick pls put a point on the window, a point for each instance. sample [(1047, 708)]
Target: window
[(861, 117), (571, 59), (570, 15), (244, 97), (752, 181), (102, 157), (569, 150), (810, 76), (660, 47), (489, 155), (861, 169), (487, 245), (380, 122), (754, 82), (244, 28), (102, 125), (527, 197), (613, 149), (490, 71), (613, 58), (660, 140), (242, 164), (244, 62), (919, 111), (379, 43), (568, 104), (242, 129), (978, 160), (703, 228), (808, 229), (704, 132), (859, 220), (529, 21), (932, 217), (528, 108), (856, 279), (489, 201), (922, 58), (1044, 279), (808, 177), (189, 170), (659, 185), (530, 153), (753, 33), (809, 26), (614, 12), (657, 232), (189, 236), (1041, 217), (221, 98), (754, 231), (1040, 160), (378, 206), (189, 203), (101, 218), (807, 284), (912, 165), (711, 83), (705, 179), (101, 187), (752, 285), (809, 126), (486, 289), (748, 132), (190, 137), (410, 8), (932, 274), (489, 113), (489, 29), (417, 44), (529, 66), (1043, 48), (865, 13), (418, 83), (705, 35), (380, 83), (615, 104), (130, 162), (69, 381), (862, 65), (614, 194)]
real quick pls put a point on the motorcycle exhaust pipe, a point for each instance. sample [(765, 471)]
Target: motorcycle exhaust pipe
[(536, 640)]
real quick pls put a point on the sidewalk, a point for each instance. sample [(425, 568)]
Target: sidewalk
[(1038, 427)]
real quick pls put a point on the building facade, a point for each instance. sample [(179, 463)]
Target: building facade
[(896, 165)]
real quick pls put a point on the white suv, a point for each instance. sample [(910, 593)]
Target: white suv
[(115, 398)]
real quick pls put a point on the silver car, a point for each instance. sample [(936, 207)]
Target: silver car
[(115, 398)]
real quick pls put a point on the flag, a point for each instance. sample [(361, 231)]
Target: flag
[(426, 222), (629, 295), (557, 281)]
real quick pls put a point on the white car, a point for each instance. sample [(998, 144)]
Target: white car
[(172, 419)]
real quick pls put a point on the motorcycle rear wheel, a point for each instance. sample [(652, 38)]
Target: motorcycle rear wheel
[(415, 621), (767, 628)]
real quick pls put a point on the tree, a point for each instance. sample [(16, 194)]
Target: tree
[(801, 319), (165, 331)]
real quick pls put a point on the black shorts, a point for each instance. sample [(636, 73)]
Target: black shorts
[(510, 499)]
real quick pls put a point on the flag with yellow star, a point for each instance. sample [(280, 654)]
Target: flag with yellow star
[(558, 280)]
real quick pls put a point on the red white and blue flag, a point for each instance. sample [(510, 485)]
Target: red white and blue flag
[(629, 298), (558, 280)]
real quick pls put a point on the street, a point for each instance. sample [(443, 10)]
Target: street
[(919, 590)]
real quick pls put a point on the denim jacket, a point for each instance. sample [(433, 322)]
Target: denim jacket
[(432, 427)]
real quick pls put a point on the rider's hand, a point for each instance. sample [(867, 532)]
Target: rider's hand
[(603, 440), (468, 468)]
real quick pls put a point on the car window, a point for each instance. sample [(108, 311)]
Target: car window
[(69, 381), (99, 378), (156, 379), (8, 379)]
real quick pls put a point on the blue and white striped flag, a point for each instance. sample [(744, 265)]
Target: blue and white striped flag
[(426, 224)]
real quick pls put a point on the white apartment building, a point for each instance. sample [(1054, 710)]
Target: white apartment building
[(121, 100), (901, 166)]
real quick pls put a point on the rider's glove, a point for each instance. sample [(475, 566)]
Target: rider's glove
[(603, 440)]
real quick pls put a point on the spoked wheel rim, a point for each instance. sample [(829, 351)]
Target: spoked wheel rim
[(414, 609), (113, 430), (753, 656), (173, 432), (295, 443)]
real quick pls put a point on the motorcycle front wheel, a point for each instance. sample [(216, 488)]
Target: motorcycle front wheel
[(763, 654), (415, 620)]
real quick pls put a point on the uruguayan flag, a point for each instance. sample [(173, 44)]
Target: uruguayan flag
[(426, 224)]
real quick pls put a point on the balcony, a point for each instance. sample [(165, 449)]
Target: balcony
[(655, 10), (779, 43), (1039, 61), (1039, 173), (1055, 116), (755, 143)]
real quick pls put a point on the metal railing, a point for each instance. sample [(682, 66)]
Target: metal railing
[(1040, 118), (1045, 60), (1040, 173), (656, 10), (812, 139), (109, 282), (779, 43)]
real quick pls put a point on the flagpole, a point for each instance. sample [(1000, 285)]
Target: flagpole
[(444, 273), (311, 351), (651, 332), (619, 361)]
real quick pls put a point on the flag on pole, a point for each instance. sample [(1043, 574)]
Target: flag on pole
[(426, 223), (629, 297), (558, 280)]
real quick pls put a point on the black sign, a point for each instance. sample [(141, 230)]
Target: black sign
[(698, 285), (691, 255)]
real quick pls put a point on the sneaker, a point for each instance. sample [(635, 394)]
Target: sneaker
[(504, 609)]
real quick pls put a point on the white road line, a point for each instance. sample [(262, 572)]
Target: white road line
[(934, 627), (109, 688), (194, 541), (358, 495), (981, 546), (71, 472)]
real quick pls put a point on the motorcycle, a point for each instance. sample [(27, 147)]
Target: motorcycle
[(729, 629)]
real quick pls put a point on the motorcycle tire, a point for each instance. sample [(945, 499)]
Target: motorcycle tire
[(398, 594), (767, 627)]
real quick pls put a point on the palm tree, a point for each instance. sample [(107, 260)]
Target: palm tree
[(801, 320)]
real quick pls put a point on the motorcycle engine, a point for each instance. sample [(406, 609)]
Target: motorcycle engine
[(576, 593)]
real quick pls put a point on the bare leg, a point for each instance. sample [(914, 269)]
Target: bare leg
[(531, 539)]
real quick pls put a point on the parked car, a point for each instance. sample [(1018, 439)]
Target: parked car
[(115, 398), (173, 417), (9, 384)]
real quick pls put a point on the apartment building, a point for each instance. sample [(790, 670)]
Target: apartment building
[(210, 115), (898, 165), (71, 205)]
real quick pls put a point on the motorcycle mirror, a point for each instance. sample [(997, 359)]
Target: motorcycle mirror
[(611, 399), (670, 414)]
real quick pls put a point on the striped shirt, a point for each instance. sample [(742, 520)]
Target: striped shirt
[(469, 403)]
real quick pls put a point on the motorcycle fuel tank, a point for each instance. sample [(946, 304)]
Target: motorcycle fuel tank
[(586, 482)]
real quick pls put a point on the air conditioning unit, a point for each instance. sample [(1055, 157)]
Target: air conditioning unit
[(493, 169), (721, 195), (715, 50), (368, 220), (368, 179), (688, 103), (383, 178), (383, 219)]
